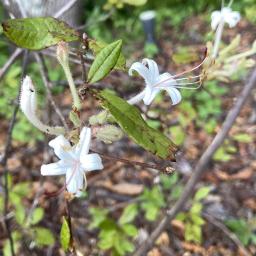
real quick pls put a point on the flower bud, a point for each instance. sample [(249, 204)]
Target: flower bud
[(109, 133), (28, 105), (62, 53)]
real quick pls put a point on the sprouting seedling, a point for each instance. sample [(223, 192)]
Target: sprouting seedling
[(28, 105), (156, 82)]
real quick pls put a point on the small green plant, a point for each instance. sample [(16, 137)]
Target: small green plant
[(27, 220), (225, 152), (152, 200), (192, 218), (243, 229), (115, 235)]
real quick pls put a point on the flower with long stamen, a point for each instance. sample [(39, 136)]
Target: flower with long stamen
[(155, 82), (28, 105), (226, 15), (74, 161)]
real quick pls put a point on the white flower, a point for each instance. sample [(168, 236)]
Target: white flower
[(74, 161), (28, 105), (154, 82), (228, 16)]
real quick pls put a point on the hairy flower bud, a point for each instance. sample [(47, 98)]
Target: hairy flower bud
[(28, 105), (109, 133)]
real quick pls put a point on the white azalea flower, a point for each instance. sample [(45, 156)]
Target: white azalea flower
[(227, 15), (154, 82), (74, 161)]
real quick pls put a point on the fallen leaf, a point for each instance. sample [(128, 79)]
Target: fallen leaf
[(163, 239), (244, 174), (122, 188), (250, 203), (154, 252), (193, 248)]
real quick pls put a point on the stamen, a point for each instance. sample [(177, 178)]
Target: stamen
[(189, 78), (184, 72)]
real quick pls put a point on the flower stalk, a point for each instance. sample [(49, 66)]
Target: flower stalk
[(63, 58)]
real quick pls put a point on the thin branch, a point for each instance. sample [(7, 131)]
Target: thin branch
[(3, 161), (201, 165), (46, 80), (229, 234), (64, 9), (164, 169), (9, 62)]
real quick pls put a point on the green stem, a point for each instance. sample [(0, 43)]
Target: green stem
[(75, 96)]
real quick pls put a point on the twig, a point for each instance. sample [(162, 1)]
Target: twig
[(3, 161), (46, 80), (9, 62), (164, 169), (201, 165), (65, 8), (229, 234)]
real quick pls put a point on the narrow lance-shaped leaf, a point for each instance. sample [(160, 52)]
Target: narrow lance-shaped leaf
[(38, 33), (131, 121), (97, 46), (65, 235), (104, 62)]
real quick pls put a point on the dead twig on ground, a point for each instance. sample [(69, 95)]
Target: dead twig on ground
[(201, 165), (229, 234)]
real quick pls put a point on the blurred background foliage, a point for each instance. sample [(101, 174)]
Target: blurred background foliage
[(106, 21)]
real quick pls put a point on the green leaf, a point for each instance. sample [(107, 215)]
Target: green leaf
[(197, 220), (20, 214), (104, 62), (22, 189), (122, 246), (202, 193), (196, 208), (107, 239), (129, 214), (131, 121), (43, 236), (38, 33), (176, 191), (37, 215), (168, 180), (130, 230), (97, 46), (135, 2), (243, 137), (65, 235), (98, 216)]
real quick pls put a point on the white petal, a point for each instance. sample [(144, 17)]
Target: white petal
[(233, 18), (83, 146), (74, 179), (216, 18), (150, 95), (58, 168), (174, 94), (142, 70), (61, 147), (153, 68), (165, 80), (91, 162)]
